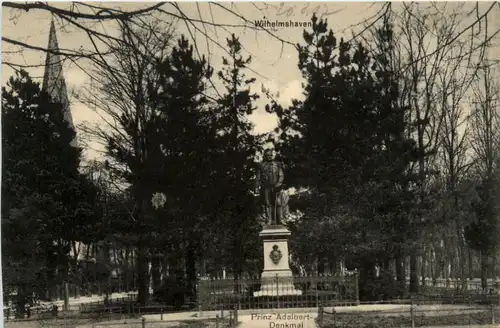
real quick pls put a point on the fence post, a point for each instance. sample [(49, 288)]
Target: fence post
[(356, 284), (316, 294), (161, 316), (470, 304), (230, 318), (235, 315), (143, 322), (277, 291), (412, 315), (222, 311), (334, 313), (492, 313), (217, 321), (320, 314)]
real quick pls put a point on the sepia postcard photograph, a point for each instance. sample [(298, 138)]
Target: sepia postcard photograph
[(250, 164)]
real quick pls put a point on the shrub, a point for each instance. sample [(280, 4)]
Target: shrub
[(172, 292), (381, 288)]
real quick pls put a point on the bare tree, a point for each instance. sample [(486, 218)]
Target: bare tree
[(485, 143), (454, 165), (91, 17), (484, 119), (454, 80), (437, 65), (80, 16), (119, 94)]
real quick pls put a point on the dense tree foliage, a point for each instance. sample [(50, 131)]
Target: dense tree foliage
[(186, 153), (47, 205), (383, 173), (346, 143), (238, 147)]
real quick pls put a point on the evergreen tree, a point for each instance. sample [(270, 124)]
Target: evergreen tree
[(184, 162), (237, 147), (482, 233), (46, 203), (164, 143), (124, 91), (392, 192), (346, 144)]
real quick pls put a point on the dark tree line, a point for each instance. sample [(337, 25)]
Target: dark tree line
[(47, 204), (369, 186)]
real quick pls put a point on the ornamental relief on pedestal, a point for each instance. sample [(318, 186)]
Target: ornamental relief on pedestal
[(275, 255)]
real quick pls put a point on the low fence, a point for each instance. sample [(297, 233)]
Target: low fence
[(457, 283), (45, 311), (408, 314), (456, 287), (276, 292), (107, 303), (231, 321), (129, 306)]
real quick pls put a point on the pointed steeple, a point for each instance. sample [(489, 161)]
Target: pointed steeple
[(53, 78)]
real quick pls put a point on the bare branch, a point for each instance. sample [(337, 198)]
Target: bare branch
[(103, 13)]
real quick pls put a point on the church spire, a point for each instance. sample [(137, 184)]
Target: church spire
[(53, 78)]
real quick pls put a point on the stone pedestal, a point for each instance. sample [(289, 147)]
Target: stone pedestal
[(276, 277)]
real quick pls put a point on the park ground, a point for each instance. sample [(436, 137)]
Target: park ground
[(269, 318)]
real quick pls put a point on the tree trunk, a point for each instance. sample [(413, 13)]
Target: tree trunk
[(440, 271), (320, 265), (332, 266), (386, 265), (156, 272), (494, 265), (461, 256), (414, 272), (423, 265), (367, 275), (142, 274), (452, 262), (191, 268), (471, 265), (21, 299), (401, 274), (173, 261), (237, 266), (413, 287), (165, 266), (237, 261), (432, 264), (143, 278), (484, 271), (66, 296), (126, 270)]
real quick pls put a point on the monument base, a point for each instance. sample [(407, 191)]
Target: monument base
[(277, 278), (277, 283)]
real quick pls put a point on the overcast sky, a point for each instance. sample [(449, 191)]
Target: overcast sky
[(275, 63)]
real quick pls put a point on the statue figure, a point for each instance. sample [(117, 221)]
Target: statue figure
[(270, 177)]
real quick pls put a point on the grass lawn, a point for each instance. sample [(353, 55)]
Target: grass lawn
[(170, 324), (366, 320), (124, 323)]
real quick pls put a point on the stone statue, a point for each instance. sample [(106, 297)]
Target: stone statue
[(270, 177)]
